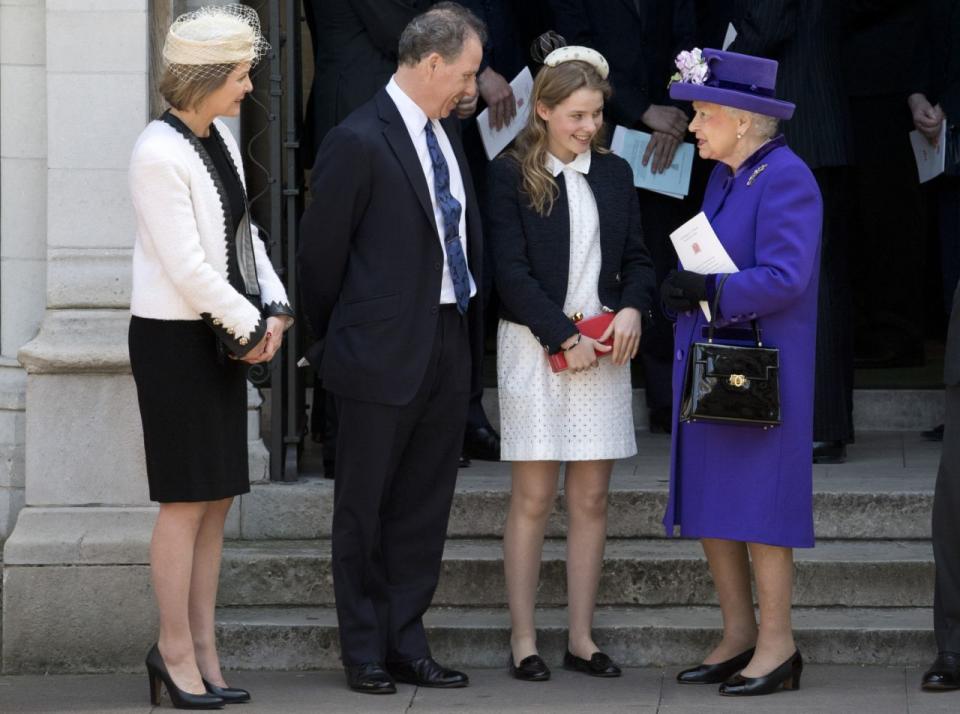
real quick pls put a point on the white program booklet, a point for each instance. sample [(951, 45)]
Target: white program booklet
[(930, 159), (630, 144), (729, 37), (496, 140), (700, 250)]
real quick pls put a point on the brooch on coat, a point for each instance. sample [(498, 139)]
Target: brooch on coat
[(756, 172)]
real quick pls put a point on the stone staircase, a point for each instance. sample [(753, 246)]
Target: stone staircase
[(862, 596)]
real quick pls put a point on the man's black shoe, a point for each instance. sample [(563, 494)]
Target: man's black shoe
[(944, 673), (829, 452), (934, 434), (482, 444), (427, 672), (464, 462), (369, 678), (661, 420)]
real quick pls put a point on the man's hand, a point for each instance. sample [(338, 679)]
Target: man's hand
[(662, 148), (667, 119), (467, 106), (625, 330), (498, 94), (926, 117)]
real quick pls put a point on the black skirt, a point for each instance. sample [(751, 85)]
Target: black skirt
[(193, 405)]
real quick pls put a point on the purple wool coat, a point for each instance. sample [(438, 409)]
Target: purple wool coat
[(743, 483)]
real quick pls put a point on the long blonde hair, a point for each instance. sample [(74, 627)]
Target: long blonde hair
[(551, 87)]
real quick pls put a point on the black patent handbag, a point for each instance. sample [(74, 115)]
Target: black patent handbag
[(732, 384)]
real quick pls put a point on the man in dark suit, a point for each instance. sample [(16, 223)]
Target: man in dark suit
[(390, 257), (640, 39), (804, 37), (945, 671)]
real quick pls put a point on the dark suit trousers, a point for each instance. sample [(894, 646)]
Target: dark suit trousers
[(833, 388), (395, 475), (946, 531)]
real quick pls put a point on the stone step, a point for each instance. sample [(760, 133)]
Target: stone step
[(306, 638), (884, 491), (635, 572)]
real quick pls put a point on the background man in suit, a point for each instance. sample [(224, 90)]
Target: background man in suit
[(390, 255), (640, 39), (804, 37)]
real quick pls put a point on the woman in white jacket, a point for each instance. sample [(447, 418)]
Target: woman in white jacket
[(206, 303)]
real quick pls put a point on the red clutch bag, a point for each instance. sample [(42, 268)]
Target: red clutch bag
[(592, 327)]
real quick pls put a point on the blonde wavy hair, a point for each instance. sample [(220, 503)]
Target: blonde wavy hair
[(552, 87)]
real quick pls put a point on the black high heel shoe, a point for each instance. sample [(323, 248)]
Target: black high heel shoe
[(716, 673), (229, 695), (157, 672), (787, 675)]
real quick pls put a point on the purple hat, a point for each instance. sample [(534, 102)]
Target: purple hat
[(730, 79)]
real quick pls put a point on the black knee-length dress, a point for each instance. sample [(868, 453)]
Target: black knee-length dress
[(192, 395)]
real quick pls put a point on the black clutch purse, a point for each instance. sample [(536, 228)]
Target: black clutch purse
[(732, 384)]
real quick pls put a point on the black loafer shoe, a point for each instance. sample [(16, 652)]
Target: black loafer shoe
[(427, 672), (716, 673), (482, 444), (230, 695), (829, 452), (530, 669), (599, 665), (944, 673), (370, 678), (787, 675)]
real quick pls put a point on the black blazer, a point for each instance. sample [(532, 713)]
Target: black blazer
[(804, 37), (370, 259), (355, 52), (532, 252), (937, 66), (638, 40)]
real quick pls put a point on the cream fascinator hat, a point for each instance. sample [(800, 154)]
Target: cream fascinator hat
[(551, 49), (210, 41)]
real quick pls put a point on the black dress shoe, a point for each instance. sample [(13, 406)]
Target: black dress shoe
[(427, 672), (934, 434), (230, 695), (829, 452), (599, 665), (158, 674), (482, 444), (464, 462), (369, 678), (530, 669), (329, 468), (716, 673), (944, 673), (787, 675)]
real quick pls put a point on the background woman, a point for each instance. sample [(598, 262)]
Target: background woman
[(565, 226), (206, 303), (743, 490)]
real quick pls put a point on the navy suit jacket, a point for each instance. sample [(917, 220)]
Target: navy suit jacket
[(532, 252), (370, 258)]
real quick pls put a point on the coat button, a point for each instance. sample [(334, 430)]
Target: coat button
[(217, 321), (679, 354), (434, 310), (243, 341), (438, 265), (617, 277)]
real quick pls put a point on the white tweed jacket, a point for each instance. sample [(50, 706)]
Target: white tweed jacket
[(180, 257)]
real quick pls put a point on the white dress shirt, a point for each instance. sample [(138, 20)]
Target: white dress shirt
[(415, 120)]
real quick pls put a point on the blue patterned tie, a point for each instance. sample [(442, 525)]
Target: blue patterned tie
[(450, 210)]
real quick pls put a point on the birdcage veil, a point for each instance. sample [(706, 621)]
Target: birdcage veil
[(210, 41)]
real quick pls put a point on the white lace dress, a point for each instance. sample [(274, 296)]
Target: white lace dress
[(565, 416)]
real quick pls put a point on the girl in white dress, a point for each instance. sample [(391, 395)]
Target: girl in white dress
[(565, 226)]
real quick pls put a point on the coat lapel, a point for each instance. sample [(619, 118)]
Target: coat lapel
[(395, 131)]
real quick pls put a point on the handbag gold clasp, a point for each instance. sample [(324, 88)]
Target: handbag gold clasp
[(737, 380)]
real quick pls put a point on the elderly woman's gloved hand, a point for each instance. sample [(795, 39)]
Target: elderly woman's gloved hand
[(683, 290)]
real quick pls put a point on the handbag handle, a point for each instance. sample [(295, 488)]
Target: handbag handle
[(715, 310)]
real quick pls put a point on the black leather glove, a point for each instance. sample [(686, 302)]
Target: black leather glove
[(683, 290)]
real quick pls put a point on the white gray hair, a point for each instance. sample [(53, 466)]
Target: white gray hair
[(443, 29), (761, 125)]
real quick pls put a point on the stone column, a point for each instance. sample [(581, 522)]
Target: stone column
[(77, 593), (23, 205)]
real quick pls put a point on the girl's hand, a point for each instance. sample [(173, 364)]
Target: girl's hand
[(584, 354), (625, 330)]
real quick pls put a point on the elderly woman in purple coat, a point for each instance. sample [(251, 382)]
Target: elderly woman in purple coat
[(746, 492)]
